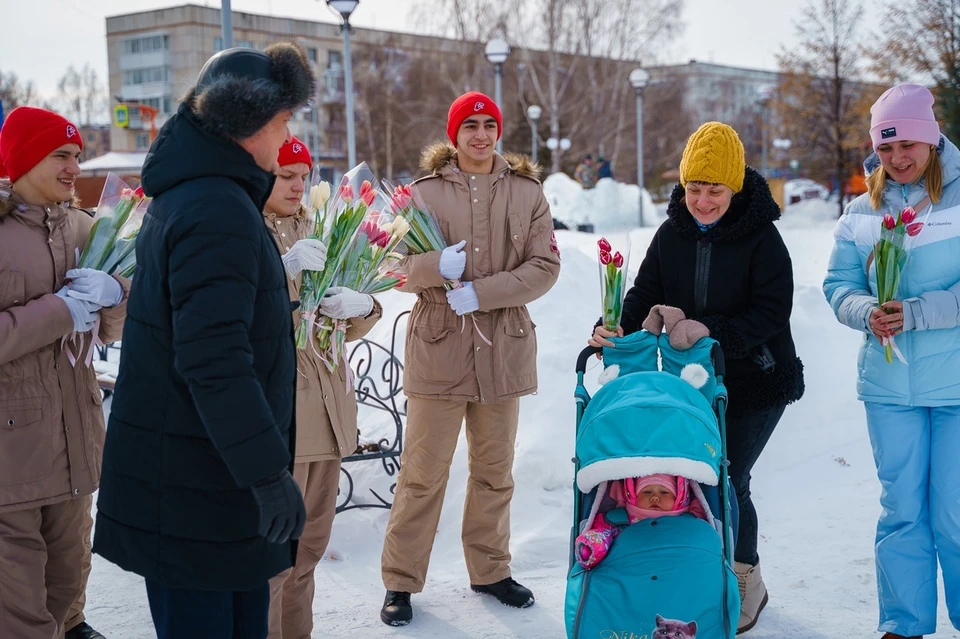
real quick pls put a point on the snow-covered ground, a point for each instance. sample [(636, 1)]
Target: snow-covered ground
[(815, 489)]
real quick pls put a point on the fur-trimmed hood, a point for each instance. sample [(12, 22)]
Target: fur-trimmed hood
[(240, 90), (750, 210), (439, 155)]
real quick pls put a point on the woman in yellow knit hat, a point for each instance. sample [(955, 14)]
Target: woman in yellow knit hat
[(720, 260)]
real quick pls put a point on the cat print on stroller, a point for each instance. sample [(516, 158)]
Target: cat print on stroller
[(666, 629)]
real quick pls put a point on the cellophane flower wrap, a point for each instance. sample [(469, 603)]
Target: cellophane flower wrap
[(367, 267), (424, 235), (613, 280), (891, 254), (335, 223), (111, 247)]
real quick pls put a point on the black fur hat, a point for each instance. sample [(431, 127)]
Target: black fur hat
[(240, 90)]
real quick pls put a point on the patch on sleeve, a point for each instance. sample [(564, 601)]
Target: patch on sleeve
[(553, 243)]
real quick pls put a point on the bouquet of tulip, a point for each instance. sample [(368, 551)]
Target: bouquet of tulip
[(336, 221), (612, 268), (367, 267), (890, 255), (110, 247), (424, 234)]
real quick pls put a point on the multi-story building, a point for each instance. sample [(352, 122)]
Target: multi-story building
[(154, 58)]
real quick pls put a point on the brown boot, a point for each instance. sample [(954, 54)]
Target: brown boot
[(890, 635), (753, 595)]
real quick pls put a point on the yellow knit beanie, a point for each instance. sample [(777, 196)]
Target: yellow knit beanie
[(714, 154)]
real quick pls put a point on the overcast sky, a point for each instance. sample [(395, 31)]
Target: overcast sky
[(43, 37)]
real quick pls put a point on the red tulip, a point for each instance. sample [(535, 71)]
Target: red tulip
[(605, 257), (914, 229), (908, 215), (138, 192), (604, 245), (367, 193), (889, 222), (618, 260)]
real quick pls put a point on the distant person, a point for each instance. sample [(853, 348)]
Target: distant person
[(586, 173), (604, 169)]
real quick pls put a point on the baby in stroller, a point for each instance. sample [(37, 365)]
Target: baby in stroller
[(644, 497)]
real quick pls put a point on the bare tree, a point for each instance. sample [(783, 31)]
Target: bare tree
[(818, 99), (14, 92), (921, 40), (81, 94)]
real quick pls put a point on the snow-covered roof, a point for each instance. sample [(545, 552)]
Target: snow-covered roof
[(116, 162)]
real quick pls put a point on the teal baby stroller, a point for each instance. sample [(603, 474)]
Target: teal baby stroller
[(661, 412)]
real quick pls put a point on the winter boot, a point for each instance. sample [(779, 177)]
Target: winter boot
[(396, 610), (890, 635), (508, 592), (753, 595), (83, 631)]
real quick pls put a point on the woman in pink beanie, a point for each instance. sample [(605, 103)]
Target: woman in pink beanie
[(912, 404)]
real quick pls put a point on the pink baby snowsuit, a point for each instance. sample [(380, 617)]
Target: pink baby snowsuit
[(594, 544)]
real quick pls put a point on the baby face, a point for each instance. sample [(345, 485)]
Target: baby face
[(656, 498)]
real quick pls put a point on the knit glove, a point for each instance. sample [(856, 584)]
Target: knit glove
[(452, 261), (463, 300), (94, 286), (683, 333), (83, 313), (305, 255), (282, 513), (592, 546), (343, 303)]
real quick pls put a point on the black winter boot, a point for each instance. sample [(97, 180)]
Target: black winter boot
[(83, 631), (508, 592), (396, 610)]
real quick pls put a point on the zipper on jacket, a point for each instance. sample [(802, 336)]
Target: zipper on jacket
[(580, 604), (702, 277)]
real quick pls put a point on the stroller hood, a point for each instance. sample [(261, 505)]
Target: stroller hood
[(645, 423)]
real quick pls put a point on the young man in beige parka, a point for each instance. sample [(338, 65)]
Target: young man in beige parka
[(51, 414), (326, 402), (471, 353)]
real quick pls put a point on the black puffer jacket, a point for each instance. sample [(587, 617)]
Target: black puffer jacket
[(737, 279), (204, 403)]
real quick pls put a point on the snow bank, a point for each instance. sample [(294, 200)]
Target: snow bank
[(610, 207)]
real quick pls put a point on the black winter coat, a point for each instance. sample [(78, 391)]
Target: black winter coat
[(204, 402), (737, 279)]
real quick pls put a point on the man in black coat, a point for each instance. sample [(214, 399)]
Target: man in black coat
[(721, 261), (196, 494)]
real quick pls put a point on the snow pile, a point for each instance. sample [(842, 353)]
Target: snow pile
[(610, 207), (817, 557)]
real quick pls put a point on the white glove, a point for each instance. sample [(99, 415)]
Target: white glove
[(305, 255), (342, 303), (94, 286), (463, 300), (83, 313), (452, 261)]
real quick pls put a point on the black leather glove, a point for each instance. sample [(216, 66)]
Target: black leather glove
[(282, 513)]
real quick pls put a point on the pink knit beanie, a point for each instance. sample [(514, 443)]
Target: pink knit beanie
[(904, 112), (667, 481)]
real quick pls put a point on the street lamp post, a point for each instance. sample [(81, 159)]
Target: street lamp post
[(639, 78), (345, 8), (497, 53), (764, 93), (534, 112), (226, 24)]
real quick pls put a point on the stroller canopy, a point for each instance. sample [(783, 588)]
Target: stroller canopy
[(645, 423)]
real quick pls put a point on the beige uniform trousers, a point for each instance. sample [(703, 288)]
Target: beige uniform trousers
[(291, 592), (75, 617), (41, 554), (433, 427)]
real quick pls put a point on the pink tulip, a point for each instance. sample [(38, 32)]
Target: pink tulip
[(914, 229), (908, 215), (889, 222), (605, 257), (346, 193), (367, 193), (604, 245), (618, 260)]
